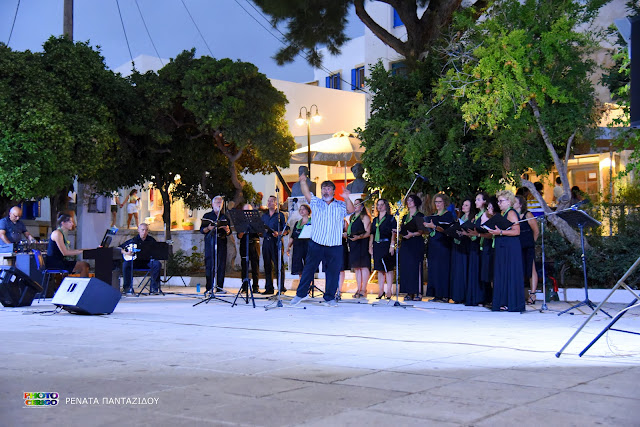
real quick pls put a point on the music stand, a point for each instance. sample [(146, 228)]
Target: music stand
[(159, 251), (246, 222), (580, 219)]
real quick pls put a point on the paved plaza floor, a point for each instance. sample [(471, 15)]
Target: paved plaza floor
[(157, 360)]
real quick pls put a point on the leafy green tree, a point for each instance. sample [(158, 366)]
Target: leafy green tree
[(530, 57), (320, 23), (58, 118)]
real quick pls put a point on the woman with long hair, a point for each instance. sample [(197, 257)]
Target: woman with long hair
[(475, 291), (411, 252), (358, 232), (508, 292), (528, 236), (439, 251), (460, 256), (132, 207), (382, 247)]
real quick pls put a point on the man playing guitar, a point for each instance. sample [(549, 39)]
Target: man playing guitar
[(130, 249)]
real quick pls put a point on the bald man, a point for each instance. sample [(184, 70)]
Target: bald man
[(12, 229)]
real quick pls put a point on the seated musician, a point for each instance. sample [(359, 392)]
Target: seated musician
[(130, 250), (59, 248), (12, 228)]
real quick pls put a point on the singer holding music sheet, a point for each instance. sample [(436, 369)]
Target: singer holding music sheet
[(276, 228), (382, 247), (326, 239), (508, 292), (210, 222), (439, 250), (130, 250), (358, 232), (411, 250)]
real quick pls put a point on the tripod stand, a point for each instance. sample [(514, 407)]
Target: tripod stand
[(246, 222), (580, 219), (397, 303), (217, 224)]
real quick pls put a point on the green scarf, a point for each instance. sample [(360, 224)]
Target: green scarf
[(380, 221), (351, 221), (433, 232)]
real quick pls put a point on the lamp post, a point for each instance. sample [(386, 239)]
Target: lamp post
[(308, 116)]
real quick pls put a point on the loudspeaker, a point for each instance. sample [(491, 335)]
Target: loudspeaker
[(16, 288), (84, 295)]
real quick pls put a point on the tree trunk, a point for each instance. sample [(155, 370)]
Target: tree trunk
[(238, 195), (166, 211)]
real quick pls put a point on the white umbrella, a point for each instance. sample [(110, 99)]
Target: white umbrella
[(343, 149)]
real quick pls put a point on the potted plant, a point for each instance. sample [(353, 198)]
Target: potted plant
[(187, 225), (174, 224)]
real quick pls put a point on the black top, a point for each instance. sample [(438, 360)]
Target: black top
[(412, 225), (145, 246), (211, 215), (387, 226), (271, 221), (526, 233), (357, 227)]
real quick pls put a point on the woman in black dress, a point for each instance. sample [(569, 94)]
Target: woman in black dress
[(460, 257), (411, 250), (358, 232), (528, 236), (508, 292), (475, 290), (382, 247), (299, 245), (439, 251)]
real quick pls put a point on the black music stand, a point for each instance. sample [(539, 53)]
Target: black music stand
[(159, 251), (580, 219), (246, 222)]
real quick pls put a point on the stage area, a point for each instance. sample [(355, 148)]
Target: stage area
[(157, 360)]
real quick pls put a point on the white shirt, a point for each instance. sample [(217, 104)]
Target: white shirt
[(328, 221)]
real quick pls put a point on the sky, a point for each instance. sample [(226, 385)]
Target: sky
[(229, 31)]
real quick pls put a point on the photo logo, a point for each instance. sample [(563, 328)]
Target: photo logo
[(41, 399)]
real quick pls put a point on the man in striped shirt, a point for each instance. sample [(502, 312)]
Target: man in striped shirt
[(326, 239)]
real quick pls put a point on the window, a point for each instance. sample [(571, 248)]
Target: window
[(357, 78), (333, 81), (399, 69), (586, 178), (397, 22)]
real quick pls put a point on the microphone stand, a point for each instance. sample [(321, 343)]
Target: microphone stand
[(397, 303)]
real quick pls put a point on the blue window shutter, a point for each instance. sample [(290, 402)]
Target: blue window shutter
[(397, 22), (328, 81), (338, 81), (354, 79)]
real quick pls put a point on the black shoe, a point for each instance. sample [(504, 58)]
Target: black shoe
[(381, 296), (268, 292), (255, 290)]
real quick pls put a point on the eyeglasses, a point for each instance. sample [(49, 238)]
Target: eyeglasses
[(502, 200)]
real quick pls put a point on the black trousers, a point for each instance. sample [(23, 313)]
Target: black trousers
[(254, 261), (221, 257), (270, 259)]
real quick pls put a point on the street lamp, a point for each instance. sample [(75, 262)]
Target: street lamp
[(308, 116)]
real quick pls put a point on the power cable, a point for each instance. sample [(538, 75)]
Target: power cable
[(148, 33), (14, 23), (196, 25), (133, 65)]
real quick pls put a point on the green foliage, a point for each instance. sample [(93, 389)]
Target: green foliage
[(181, 264), (59, 120)]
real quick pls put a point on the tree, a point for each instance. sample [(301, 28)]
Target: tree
[(58, 118), (319, 23), (530, 57)]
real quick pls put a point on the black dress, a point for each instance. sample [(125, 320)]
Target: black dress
[(382, 260), (299, 249), (55, 260), (411, 256), (439, 261), (359, 256), (459, 268), (475, 292), (507, 274)]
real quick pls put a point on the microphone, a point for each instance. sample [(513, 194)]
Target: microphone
[(421, 177), (580, 203)]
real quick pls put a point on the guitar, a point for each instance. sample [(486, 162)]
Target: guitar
[(133, 248)]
